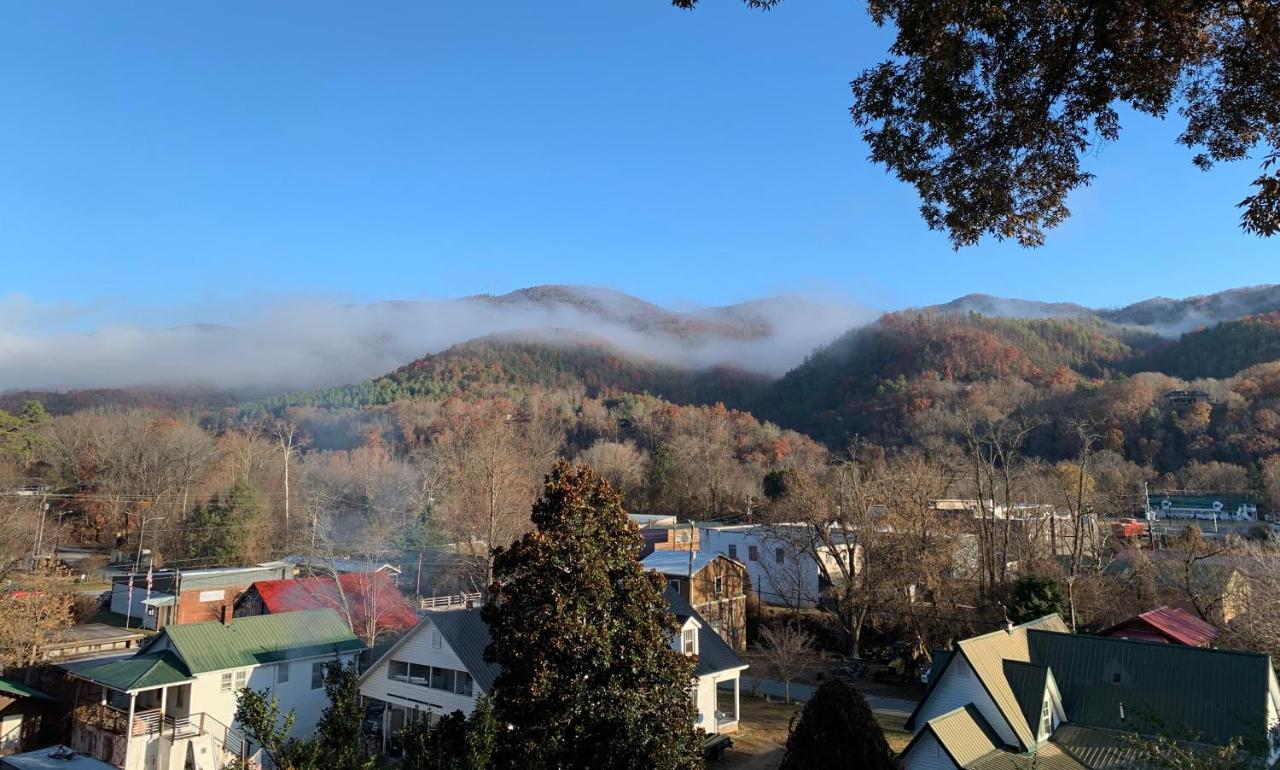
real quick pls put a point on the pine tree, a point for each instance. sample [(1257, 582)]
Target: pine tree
[(589, 676), (218, 528), (838, 730)]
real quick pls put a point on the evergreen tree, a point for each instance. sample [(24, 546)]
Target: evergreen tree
[(589, 677), (217, 528), (340, 732), (1034, 597), (837, 730), (454, 742)]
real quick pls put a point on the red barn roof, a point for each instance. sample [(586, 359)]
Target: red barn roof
[(362, 593), (1167, 624)]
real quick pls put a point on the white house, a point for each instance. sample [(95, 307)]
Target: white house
[(1036, 694), (439, 667), (782, 559), (172, 704)]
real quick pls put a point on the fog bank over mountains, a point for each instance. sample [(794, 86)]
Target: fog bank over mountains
[(311, 343), (293, 344)]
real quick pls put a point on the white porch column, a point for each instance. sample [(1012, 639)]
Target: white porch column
[(128, 730), (737, 681)]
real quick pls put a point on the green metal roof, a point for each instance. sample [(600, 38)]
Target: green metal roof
[(1187, 693), (137, 672), (1028, 682), (19, 690), (251, 641)]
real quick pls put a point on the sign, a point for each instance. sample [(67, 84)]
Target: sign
[(213, 596)]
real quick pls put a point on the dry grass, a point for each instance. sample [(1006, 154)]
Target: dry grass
[(762, 735)]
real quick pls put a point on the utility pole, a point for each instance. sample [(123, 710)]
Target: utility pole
[(35, 551)]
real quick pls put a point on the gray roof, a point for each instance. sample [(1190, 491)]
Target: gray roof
[(468, 637), (714, 656), (676, 563)]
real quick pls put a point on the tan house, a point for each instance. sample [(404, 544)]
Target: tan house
[(665, 533), (714, 585)]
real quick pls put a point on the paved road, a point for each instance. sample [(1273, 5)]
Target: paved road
[(879, 704)]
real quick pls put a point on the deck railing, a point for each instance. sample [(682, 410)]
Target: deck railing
[(451, 602)]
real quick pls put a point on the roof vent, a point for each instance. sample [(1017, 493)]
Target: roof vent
[(1122, 715)]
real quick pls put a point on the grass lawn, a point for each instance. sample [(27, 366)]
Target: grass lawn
[(762, 734)]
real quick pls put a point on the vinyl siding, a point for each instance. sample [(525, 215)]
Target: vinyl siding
[(928, 755), (418, 649), (958, 688)]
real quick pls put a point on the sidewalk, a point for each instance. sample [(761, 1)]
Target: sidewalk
[(879, 704)]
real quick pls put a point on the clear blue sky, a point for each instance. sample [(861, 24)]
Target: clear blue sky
[(190, 154)]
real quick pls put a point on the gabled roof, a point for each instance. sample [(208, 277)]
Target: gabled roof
[(136, 672), (1177, 624), (1192, 692), (260, 639), (15, 689), (676, 563), (468, 637), (358, 593), (714, 656), (963, 733), (1028, 682)]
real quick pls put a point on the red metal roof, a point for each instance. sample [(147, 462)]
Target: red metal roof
[(1176, 624), (365, 593)]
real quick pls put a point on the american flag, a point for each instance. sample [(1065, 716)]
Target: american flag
[(148, 596)]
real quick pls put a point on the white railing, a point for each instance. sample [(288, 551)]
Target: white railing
[(452, 602)]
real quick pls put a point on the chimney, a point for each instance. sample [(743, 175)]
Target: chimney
[(226, 614)]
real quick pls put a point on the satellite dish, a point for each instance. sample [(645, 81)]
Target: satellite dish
[(1166, 504), (1217, 505)]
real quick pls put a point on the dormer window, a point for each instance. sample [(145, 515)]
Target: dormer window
[(689, 641), (719, 586)]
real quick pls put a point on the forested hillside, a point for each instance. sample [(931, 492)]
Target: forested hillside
[(513, 365), (1221, 350)]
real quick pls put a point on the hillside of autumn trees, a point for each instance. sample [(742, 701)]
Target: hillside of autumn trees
[(444, 455)]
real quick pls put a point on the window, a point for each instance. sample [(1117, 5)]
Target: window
[(1045, 722), (753, 553), (419, 674), (226, 682), (780, 554), (282, 673), (317, 676), (462, 685), (674, 585), (689, 641), (719, 586), (441, 678), (241, 677), (1116, 677), (733, 550), (398, 670), (436, 641)]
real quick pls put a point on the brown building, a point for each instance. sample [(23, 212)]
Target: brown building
[(713, 584), (665, 533), (178, 597)]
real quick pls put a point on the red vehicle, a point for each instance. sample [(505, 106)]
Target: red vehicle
[(1127, 529)]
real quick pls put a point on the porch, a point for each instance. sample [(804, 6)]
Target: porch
[(728, 706)]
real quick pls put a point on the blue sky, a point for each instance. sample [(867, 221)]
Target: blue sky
[(185, 156)]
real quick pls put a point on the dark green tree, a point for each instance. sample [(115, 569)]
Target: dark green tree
[(218, 528), (589, 675), (1034, 597), (454, 742), (339, 741), (987, 108), (837, 730), (340, 732)]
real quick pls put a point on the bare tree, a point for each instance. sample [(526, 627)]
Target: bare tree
[(787, 650)]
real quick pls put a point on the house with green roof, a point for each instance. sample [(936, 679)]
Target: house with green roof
[(22, 712), (172, 704), (1036, 695)]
